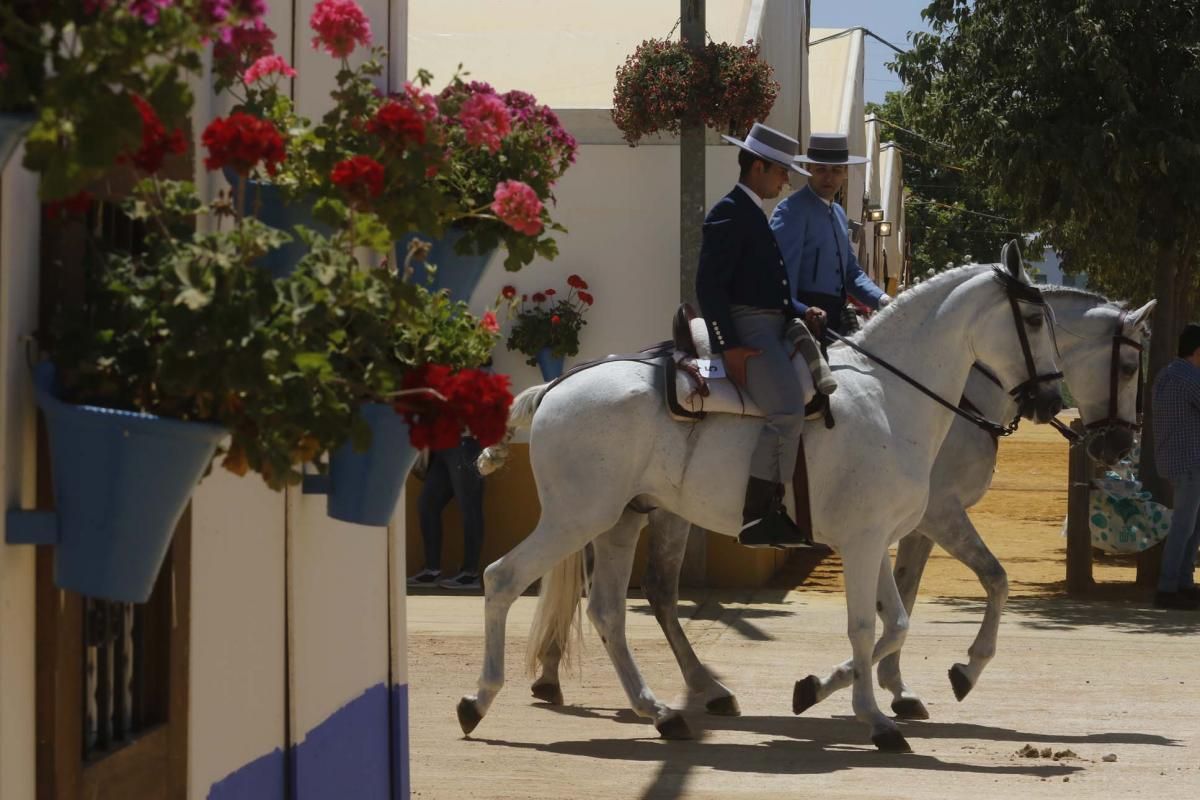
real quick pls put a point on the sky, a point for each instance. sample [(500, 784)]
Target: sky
[(889, 19)]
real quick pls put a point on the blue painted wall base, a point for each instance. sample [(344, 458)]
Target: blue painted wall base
[(360, 751)]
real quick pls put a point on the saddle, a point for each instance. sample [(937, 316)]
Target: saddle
[(696, 383)]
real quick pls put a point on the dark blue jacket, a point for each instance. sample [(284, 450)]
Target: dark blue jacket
[(740, 264)]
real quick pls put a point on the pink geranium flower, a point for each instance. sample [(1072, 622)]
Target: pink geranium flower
[(268, 65), (339, 25), (485, 121), (488, 322), (148, 10), (518, 207)]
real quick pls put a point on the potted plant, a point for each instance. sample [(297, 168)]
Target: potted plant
[(68, 71), (546, 329), (662, 81), (179, 341), (408, 358)]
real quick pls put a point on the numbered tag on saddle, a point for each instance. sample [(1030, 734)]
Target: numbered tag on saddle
[(710, 368)]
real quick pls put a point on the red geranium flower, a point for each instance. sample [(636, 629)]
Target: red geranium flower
[(74, 206), (538, 297), (397, 125), (488, 322), (577, 282), (586, 297), (240, 141), (475, 401), (339, 25), (360, 177), (157, 144), (508, 292), (550, 293), (555, 320)]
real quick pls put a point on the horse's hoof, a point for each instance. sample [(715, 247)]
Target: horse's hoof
[(909, 708), (724, 706), (468, 715), (804, 694), (891, 742), (960, 682), (674, 726), (548, 693)]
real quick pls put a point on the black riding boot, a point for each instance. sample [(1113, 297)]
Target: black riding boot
[(765, 523)]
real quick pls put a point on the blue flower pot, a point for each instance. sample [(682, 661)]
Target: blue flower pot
[(13, 128), (458, 274), (121, 483), (550, 364), (365, 487), (274, 211)]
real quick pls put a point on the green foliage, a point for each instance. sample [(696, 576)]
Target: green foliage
[(1085, 117), (75, 69), (948, 213)]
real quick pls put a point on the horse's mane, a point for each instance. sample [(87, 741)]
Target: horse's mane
[(1081, 294), (904, 298)]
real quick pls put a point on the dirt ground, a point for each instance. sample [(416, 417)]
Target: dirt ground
[(1109, 679)]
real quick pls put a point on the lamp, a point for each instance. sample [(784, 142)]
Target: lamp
[(875, 214), (884, 229)]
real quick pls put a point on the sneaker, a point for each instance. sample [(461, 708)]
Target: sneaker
[(426, 578), (463, 580), (1177, 600)]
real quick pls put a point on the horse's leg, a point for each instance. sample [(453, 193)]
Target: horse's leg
[(869, 580), (556, 536), (911, 557), (962, 540), (812, 690), (668, 543), (606, 609)]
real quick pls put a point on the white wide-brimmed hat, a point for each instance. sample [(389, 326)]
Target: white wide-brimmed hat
[(829, 148), (771, 145)]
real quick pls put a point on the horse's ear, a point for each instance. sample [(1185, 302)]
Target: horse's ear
[(1010, 256), (1142, 316)]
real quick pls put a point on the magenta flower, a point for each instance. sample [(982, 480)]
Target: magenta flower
[(339, 25), (215, 11), (518, 207), (485, 121), (148, 9), (268, 65)]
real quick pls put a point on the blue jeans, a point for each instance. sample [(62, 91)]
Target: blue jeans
[(451, 474), (1179, 551)]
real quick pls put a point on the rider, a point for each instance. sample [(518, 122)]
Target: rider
[(746, 300), (814, 237)]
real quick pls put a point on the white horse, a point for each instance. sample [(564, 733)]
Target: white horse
[(604, 449), (1104, 380)]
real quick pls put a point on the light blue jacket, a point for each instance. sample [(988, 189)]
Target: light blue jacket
[(815, 241)]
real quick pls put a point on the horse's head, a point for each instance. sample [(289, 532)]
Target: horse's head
[(1014, 340), (1104, 372)]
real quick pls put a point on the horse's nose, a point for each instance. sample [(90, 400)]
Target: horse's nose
[(1049, 402)]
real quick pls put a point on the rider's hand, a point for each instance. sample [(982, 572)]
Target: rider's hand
[(735, 363), (814, 318)]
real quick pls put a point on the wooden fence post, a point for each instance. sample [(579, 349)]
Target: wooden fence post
[(1079, 534)]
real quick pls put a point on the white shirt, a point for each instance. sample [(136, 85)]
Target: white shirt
[(757, 200)]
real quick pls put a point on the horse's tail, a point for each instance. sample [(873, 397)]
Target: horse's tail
[(520, 416), (557, 623)]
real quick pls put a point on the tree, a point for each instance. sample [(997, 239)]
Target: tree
[(950, 217), (1085, 116)]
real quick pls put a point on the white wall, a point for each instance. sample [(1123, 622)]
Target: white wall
[(19, 258)]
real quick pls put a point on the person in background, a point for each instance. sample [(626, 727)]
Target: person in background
[(1177, 457), (450, 474)]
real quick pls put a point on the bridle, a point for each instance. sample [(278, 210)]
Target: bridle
[(1017, 292), (1114, 419)]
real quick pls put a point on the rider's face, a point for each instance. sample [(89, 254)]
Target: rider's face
[(827, 179), (770, 178)]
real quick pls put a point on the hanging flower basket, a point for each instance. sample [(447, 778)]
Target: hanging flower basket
[(662, 81), (121, 482)]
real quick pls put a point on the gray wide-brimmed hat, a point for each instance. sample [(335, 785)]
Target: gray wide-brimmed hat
[(829, 148), (770, 145)]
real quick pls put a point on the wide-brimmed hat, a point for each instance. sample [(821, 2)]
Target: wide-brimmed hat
[(829, 148), (770, 145)]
